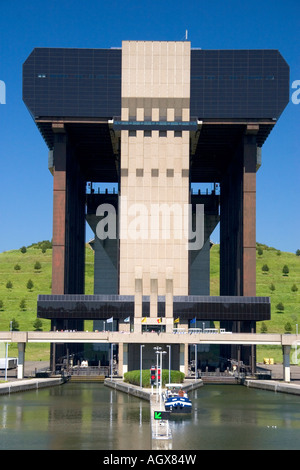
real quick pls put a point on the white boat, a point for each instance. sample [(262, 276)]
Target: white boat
[(177, 400)]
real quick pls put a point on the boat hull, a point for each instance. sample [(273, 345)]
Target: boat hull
[(177, 406)]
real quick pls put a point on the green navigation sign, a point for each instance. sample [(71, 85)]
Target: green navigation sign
[(161, 414)]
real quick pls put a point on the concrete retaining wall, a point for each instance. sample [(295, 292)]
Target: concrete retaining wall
[(273, 386), (30, 384)]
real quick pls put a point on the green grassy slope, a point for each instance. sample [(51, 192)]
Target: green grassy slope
[(275, 260), (41, 278)]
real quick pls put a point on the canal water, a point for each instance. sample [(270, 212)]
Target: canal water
[(94, 417)]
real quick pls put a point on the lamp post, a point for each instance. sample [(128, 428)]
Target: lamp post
[(296, 345), (111, 360), (141, 364), (6, 353), (159, 352), (169, 346), (157, 349), (196, 368)]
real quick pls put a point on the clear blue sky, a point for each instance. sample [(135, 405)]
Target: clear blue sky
[(26, 183)]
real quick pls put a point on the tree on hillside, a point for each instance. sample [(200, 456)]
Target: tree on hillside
[(280, 307), (23, 305), (14, 325), (23, 249), (285, 270), (265, 268), (263, 328), (298, 252), (37, 325), (30, 284), (9, 285), (260, 251), (272, 287), (294, 288), (37, 266), (288, 327), (1, 305), (17, 267)]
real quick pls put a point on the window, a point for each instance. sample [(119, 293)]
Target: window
[(162, 133)]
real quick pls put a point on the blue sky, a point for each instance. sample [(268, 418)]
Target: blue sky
[(26, 183)]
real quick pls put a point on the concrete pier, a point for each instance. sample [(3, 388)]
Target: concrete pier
[(30, 384), (274, 386)]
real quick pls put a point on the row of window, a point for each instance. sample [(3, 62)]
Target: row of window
[(155, 173), (81, 76), (148, 133)]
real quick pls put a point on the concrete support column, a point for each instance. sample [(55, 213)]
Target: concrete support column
[(249, 213), (59, 213), (21, 360), (184, 358), (138, 299), (121, 359), (153, 293), (286, 363), (124, 354), (169, 293)]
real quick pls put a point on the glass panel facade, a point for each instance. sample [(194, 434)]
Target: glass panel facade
[(234, 84)]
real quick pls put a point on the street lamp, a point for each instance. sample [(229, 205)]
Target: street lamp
[(6, 353), (141, 363), (159, 352), (111, 360), (196, 368), (169, 346), (157, 349)]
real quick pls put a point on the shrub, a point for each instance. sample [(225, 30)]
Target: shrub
[(38, 324), (9, 285), (265, 268), (272, 287), (263, 328), (30, 284), (17, 267), (23, 304), (294, 288), (133, 377), (280, 306), (298, 252), (1, 305), (37, 266), (288, 327), (14, 325), (260, 251), (285, 270), (23, 249)]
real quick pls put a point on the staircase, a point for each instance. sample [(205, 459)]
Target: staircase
[(87, 378)]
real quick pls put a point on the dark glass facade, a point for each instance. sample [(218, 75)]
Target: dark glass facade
[(73, 82), (225, 84), (238, 84), (93, 307)]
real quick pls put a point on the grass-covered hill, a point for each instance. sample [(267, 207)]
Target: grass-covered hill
[(18, 296)]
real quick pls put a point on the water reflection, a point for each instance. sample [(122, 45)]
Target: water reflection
[(74, 416), (235, 417), (91, 416)]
